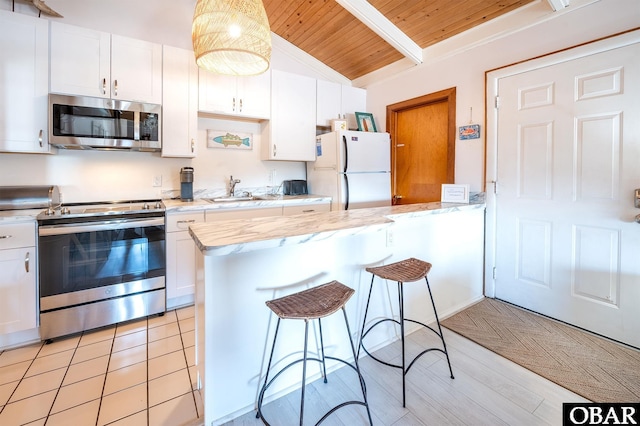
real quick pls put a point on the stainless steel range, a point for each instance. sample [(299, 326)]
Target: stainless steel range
[(99, 264)]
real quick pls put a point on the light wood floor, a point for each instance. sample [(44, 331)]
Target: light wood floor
[(487, 390)]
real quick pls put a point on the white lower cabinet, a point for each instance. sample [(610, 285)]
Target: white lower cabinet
[(18, 296), (181, 258)]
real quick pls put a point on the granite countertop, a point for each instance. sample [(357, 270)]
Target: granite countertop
[(242, 235), (13, 216), (173, 206)]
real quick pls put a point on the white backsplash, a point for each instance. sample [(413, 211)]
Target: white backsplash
[(105, 175)]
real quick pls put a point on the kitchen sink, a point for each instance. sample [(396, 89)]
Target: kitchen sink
[(231, 199)]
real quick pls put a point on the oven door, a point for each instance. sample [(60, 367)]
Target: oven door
[(88, 262)]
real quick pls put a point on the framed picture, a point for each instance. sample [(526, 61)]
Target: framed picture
[(229, 140), (472, 131), (366, 123), (454, 193)]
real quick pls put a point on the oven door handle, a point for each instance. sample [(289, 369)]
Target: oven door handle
[(107, 225)]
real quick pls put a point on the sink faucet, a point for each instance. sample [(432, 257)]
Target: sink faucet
[(232, 186)]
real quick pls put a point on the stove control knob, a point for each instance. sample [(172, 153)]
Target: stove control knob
[(158, 205), (145, 207), (49, 212), (65, 210)]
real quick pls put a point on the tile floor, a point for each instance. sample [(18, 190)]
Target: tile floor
[(140, 372)]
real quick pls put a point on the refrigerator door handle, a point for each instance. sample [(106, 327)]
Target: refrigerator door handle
[(346, 191), (346, 154)]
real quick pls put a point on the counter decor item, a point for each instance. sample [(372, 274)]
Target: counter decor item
[(366, 123), (223, 139), (454, 193), (338, 125)]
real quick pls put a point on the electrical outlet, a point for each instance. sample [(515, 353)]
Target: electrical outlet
[(389, 238), (157, 181), (272, 177)]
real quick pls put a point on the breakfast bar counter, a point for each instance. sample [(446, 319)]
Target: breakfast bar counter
[(243, 263)]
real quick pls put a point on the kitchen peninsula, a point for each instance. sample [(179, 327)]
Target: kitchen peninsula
[(243, 263)]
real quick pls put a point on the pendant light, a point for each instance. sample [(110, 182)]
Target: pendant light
[(231, 37)]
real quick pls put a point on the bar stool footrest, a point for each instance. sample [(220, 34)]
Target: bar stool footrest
[(398, 322), (332, 410)]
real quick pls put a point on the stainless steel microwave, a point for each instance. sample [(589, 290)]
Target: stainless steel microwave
[(81, 122)]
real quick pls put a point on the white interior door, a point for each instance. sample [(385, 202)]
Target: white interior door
[(567, 162)]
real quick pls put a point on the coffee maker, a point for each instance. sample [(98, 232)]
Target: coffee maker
[(186, 184)]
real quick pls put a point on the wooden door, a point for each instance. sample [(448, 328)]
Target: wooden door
[(566, 242), (422, 146)]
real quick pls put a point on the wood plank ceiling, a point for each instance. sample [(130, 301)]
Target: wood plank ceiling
[(331, 34)]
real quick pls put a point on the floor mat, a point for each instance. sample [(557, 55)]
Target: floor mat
[(591, 366)]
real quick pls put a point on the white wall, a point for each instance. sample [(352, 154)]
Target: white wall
[(462, 62)]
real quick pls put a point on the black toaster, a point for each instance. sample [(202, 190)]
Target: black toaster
[(294, 187)]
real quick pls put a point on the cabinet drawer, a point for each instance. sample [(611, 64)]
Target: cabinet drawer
[(306, 208), (213, 216), (17, 235), (181, 221)]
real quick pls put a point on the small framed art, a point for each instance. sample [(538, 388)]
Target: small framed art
[(454, 193), (472, 131), (223, 139), (366, 123)]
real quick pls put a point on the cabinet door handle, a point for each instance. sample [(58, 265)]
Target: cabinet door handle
[(240, 105), (184, 222), (193, 145), (115, 87), (308, 211), (234, 105), (2, 237), (26, 263), (40, 138), (104, 86), (274, 149)]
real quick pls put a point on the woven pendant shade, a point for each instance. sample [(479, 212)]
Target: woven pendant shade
[(231, 37)]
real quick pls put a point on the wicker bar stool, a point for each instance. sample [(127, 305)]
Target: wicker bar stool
[(307, 305), (407, 270)]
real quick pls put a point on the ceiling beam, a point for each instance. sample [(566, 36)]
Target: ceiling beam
[(558, 4), (379, 24)]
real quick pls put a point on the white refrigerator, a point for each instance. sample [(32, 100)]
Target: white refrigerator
[(354, 168)]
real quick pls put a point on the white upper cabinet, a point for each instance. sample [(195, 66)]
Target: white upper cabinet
[(24, 43), (338, 101), (179, 103), (247, 97), (291, 132), (353, 99), (94, 63)]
